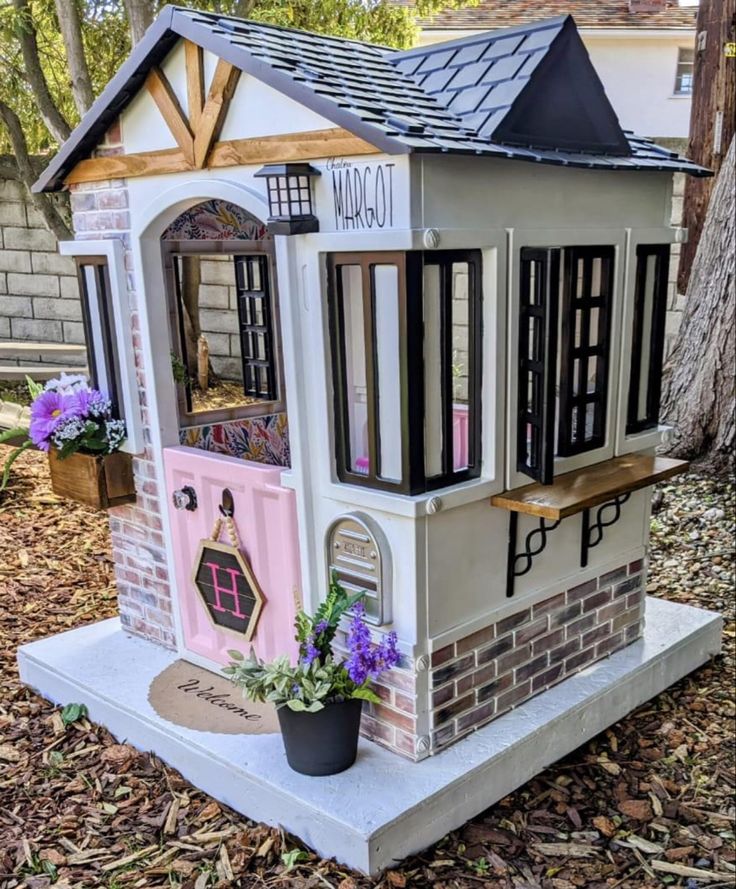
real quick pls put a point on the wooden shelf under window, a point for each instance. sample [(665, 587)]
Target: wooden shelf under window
[(591, 486)]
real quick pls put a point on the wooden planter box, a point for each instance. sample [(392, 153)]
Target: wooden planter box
[(101, 481)]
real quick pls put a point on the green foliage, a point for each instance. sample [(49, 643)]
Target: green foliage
[(178, 370), (317, 679), (14, 454), (34, 388), (321, 627), (73, 713), (291, 858), (107, 42), (21, 432), (302, 688)]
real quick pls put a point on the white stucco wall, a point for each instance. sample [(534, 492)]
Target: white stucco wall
[(639, 77), (637, 68)]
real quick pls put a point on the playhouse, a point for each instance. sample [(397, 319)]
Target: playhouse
[(399, 315)]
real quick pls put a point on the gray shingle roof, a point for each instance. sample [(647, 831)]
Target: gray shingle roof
[(470, 96)]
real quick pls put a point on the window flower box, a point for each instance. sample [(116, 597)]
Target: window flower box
[(98, 480)]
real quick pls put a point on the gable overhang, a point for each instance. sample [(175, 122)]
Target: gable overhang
[(167, 30)]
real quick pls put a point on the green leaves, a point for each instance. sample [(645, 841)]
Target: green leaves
[(72, 713), (12, 457), (364, 693), (291, 858)]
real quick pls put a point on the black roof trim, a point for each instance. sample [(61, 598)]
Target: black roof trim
[(465, 96)]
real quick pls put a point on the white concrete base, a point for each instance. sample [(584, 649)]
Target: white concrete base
[(385, 807)]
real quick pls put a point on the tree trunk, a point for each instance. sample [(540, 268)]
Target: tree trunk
[(52, 117), (698, 392), (140, 16), (712, 118), (44, 203), (70, 25)]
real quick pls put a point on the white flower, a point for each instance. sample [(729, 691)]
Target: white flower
[(66, 384), (115, 430)]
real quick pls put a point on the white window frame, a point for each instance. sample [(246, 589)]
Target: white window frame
[(648, 438), (114, 252), (675, 90)]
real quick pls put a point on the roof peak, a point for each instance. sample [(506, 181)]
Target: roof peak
[(540, 25), (463, 96)]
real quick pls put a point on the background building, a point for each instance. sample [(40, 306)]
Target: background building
[(642, 49)]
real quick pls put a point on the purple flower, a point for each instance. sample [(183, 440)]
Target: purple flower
[(365, 659), (320, 627), (85, 403), (310, 652), (48, 411)]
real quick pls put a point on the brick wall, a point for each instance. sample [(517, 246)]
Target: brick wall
[(39, 294), (100, 210), (393, 722), (484, 675)]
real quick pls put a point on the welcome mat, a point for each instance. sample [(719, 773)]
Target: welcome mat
[(195, 698)]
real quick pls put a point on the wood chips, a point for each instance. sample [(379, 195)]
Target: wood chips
[(648, 803)]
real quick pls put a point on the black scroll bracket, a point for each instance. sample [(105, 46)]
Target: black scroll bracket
[(520, 563), (592, 533)]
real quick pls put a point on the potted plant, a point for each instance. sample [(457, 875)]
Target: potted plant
[(319, 699), (74, 425)]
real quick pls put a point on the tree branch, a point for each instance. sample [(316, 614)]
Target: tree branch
[(42, 202), (140, 16), (52, 117), (70, 25)]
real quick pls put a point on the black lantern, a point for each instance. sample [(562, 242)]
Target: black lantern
[(290, 198)]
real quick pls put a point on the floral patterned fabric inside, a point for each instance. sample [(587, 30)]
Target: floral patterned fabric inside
[(216, 220), (261, 439)]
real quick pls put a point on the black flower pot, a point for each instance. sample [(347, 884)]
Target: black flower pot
[(321, 743)]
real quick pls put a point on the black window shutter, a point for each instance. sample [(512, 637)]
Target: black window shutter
[(538, 316), (255, 318), (585, 349), (635, 422)]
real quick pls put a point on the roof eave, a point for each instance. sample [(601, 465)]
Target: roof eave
[(169, 26), (154, 43)]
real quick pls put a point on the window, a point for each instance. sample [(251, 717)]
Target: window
[(406, 339), (684, 72), (647, 348), (99, 328), (224, 341), (107, 322), (563, 339), (540, 274)]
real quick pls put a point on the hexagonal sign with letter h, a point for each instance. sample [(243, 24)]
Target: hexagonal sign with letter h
[(228, 588)]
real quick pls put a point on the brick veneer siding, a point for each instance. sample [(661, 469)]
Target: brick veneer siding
[(393, 722), (100, 210), (482, 676)]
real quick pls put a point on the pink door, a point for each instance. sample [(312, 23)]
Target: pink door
[(265, 517)]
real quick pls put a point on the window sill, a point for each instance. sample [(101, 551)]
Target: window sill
[(592, 486), (418, 505), (681, 96)]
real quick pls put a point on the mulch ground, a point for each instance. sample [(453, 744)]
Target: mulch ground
[(647, 803)]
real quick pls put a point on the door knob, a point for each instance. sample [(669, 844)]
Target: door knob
[(185, 498)]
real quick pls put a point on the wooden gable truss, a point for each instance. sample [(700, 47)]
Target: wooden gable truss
[(196, 135)]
